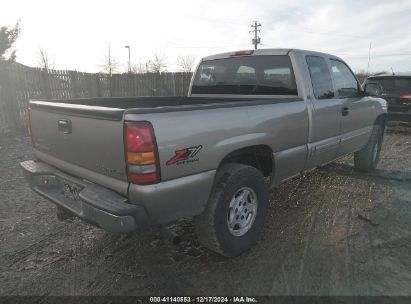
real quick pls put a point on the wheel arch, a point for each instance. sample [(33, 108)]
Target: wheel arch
[(260, 157)]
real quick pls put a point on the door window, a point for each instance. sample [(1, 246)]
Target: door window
[(345, 82), (320, 77)]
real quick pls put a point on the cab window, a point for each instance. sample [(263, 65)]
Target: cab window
[(249, 75), (246, 75), (345, 82), (320, 77)]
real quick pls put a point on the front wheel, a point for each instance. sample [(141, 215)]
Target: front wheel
[(366, 159), (235, 212)]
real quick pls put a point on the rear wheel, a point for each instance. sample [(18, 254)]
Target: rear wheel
[(235, 212), (366, 159)]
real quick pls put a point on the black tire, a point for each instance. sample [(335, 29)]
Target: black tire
[(212, 225), (366, 159)]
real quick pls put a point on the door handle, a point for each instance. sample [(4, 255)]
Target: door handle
[(64, 125), (345, 111)]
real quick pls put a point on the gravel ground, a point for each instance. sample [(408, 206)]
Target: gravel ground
[(329, 232)]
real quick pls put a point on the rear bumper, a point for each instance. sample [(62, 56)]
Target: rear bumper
[(92, 203)]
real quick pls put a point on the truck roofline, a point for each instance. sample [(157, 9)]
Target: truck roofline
[(273, 52)]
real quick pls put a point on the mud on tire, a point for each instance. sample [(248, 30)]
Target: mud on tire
[(214, 226)]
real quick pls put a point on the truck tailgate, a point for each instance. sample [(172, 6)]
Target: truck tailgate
[(80, 140)]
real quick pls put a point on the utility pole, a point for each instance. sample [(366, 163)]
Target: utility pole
[(129, 63), (256, 40)]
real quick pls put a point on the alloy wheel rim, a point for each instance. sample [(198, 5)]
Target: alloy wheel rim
[(242, 211)]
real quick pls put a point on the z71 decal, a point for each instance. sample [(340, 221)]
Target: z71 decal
[(183, 156)]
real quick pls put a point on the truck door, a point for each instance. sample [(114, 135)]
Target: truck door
[(325, 122), (356, 121)]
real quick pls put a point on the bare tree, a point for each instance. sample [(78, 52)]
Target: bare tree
[(8, 37), (186, 62), (44, 60), (158, 63), (110, 64), (139, 68), (361, 75)]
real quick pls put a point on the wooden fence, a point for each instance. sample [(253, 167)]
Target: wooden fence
[(19, 84)]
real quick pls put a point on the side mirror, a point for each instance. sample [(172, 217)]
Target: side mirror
[(373, 89)]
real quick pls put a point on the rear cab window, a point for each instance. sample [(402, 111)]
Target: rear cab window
[(247, 75)]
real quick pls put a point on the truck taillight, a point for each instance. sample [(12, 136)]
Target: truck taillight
[(141, 153)]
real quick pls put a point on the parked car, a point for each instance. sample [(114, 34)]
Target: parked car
[(396, 90), (251, 120)]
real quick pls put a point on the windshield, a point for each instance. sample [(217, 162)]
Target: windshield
[(394, 84), (253, 75)]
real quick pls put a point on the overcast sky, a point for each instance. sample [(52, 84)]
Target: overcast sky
[(76, 33)]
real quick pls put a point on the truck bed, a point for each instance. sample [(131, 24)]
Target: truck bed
[(94, 149)]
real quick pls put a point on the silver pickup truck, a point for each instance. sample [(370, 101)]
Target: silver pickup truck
[(251, 120)]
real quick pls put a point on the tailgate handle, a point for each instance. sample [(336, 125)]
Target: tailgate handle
[(64, 126)]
